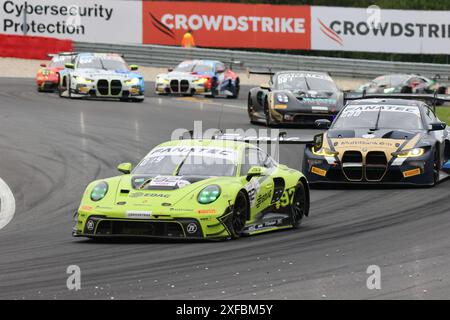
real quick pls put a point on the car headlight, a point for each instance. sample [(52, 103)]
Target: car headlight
[(99, 191), (411, 153), (200, 80), (133, 81), (209, 194), (282, 98), (83, 79), (324, 152), (162, 80)]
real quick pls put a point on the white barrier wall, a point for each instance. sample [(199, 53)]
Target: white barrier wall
[(373, 30), (106, 21)]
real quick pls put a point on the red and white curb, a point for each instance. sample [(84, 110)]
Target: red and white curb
[(7, 204)]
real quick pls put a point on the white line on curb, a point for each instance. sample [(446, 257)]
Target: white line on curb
[(7, 204)]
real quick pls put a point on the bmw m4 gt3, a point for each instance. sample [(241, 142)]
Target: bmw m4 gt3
[(197, 189), (295, 97), (101, 75), (374, 141), (204, 77)]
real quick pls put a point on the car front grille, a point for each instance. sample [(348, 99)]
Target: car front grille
[(376, 165), (179, 86), (352, 165), (104, 87), (139, 228), (371, 167), (116, 87)]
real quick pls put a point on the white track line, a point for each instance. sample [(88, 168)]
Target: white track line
[(7, 204)]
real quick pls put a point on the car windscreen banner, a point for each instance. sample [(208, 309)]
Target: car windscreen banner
[(227, 25), (105, 21), (377, 30)]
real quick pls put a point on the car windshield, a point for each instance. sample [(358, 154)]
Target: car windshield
[(60, 61), (304, 82), (390, 117), (194, 66), (187, 161), (390, 81), (105, 63)]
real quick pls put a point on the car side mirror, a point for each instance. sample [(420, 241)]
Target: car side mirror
[(134, 67), (323, 124), (265, 86), (255, 171), (69, 66), (220, 70), (170, 69), (125, 167), (43, 65), (438, 126)]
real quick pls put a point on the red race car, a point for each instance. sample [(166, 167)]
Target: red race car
[(47, 77)]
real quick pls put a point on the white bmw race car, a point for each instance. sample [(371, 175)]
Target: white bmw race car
[(101, 75)]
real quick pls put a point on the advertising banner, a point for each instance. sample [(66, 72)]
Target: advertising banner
[(375, 30), (227, 25), (105, 21)]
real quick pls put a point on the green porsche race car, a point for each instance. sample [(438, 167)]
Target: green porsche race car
[(195, 189)]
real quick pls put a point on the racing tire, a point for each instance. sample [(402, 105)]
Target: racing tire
[(436, 166), (69, 93), (269, 122), (299, 205), (61, 89), (236, 90), (239, 215), (250, 113)]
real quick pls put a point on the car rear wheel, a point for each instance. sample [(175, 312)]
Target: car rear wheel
[(436, 165), (249, 109), (298, 207), (269, 121), (239, 215)]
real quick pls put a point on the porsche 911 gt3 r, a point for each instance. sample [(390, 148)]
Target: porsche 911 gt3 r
[(374, 141), (47, 77), (295, 97), (205, 77), (101, 75), (198, 189)]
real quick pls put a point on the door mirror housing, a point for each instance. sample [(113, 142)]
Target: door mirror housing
[(134, 67), (69, 66), (256, 171), (438, 126), (323, 124), (170, 69), (43, 65), (125, 167)]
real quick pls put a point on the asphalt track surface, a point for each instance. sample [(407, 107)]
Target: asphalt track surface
[(50, 148)]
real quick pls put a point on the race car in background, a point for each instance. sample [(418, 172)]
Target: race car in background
[(195, 189), (376, 140), (101, 75), (294, 97), (403, 83), (205, 77), (47, 77)]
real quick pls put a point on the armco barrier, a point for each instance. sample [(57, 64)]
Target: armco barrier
[(167, 56), (28, 47)]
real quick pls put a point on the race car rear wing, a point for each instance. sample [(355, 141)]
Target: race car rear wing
[(51, 55), (433, 99)]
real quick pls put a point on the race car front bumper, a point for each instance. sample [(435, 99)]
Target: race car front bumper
[(330, 170), (182, 86), (179, 226), (104, 88), (282, 114)]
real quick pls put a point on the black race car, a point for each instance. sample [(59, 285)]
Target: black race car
[(295, 97), (392, 140), (404, 83)]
